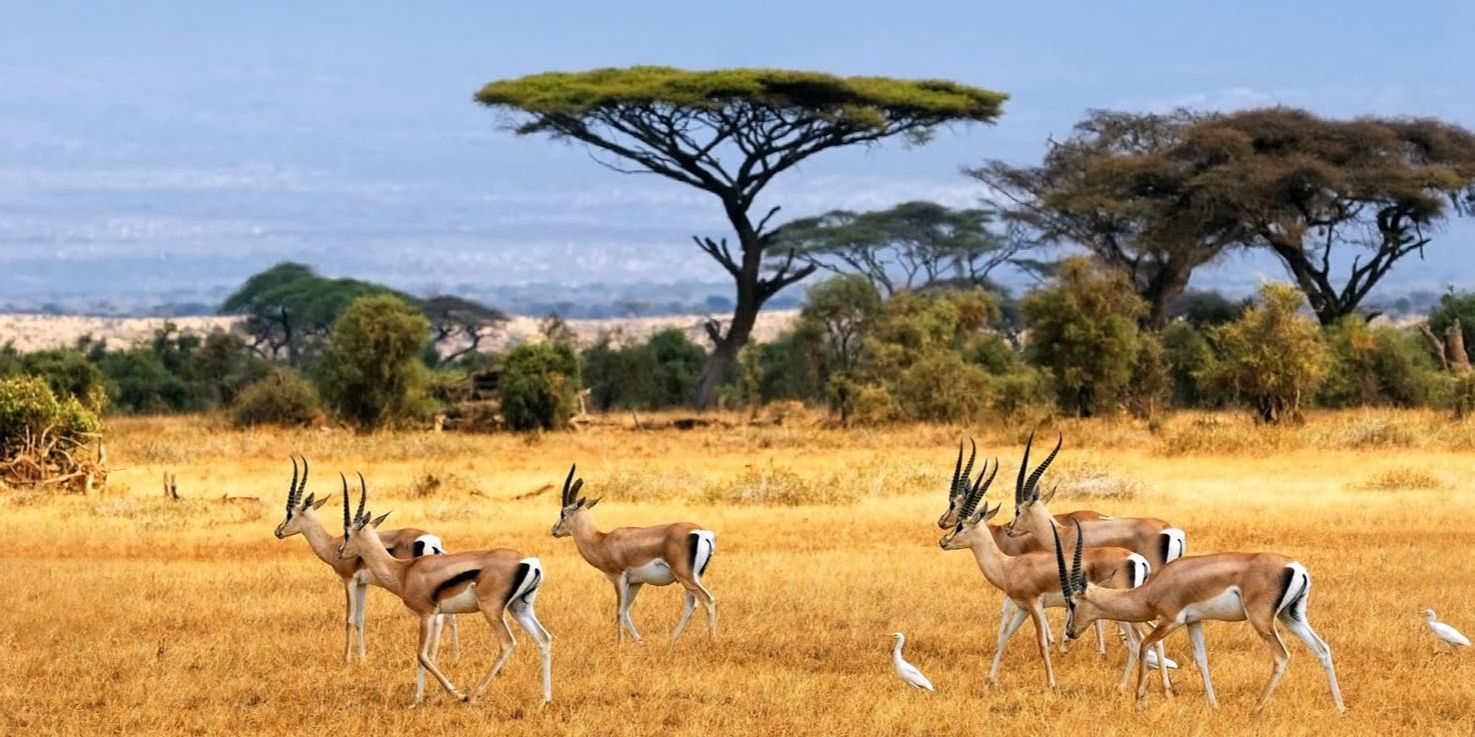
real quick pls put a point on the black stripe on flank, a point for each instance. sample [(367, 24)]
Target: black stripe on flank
[(1287, 579), (454, 581), (1167, 541), (522, 572), (694, 541), (419, 548), (1131, 572)]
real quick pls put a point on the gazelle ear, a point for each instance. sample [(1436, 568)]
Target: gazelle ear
[(988, 514), (375, 522), (319, 503), (590, 505), (1046, 498)]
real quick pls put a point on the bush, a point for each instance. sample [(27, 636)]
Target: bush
[(1455, 306), (660, 372), (1083, 331), (538, 386), (1273, 357), (1375, 367), (372, 374), (69, 374), (280, 398), (39, 432), (1190, 363)]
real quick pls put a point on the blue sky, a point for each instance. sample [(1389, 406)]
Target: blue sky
[(149, 144)]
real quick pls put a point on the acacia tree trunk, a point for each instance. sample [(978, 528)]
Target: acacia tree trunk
[(722, 361)]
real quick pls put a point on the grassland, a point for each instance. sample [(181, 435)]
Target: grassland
[(127, 613)]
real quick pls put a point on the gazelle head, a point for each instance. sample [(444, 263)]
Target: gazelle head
[(959, 488), (1030, 514), (1079, 611), (971, 517), (354, 537), (297, 507), (570, 504)]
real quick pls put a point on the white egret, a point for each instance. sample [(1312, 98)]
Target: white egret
[(907, 671), (1446, 634)]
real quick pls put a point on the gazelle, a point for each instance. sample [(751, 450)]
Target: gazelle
[(1228, 587), (403, 543), (631, 557), (494, 582), (1156, 540), (1030, 580), (1010, 545)]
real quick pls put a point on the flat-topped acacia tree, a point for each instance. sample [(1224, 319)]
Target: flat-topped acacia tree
[(730, 132)]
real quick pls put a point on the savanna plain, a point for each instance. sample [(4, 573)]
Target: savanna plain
[(125, 612)]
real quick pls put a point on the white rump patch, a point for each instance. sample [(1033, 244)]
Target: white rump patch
[(527, 589), (706, 547), (1177, 544), (1300, 582), (1141, 569), (429, 545)]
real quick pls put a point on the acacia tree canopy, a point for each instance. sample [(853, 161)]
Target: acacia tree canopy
[(913, 245), (1120, 187), (1338, 201), (730, 132)]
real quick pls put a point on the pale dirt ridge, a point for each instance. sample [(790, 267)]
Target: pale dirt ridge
[(38, 332)]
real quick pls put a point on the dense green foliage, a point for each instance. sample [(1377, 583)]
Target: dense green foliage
[(538, 386), (659, 372), (1273, 358), (290, 310), (282, 397), (1083, 333), (372, 374), (33, 418)]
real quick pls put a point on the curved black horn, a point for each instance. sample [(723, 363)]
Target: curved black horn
[(363, 498), (968, 469), (302, 486), (952, 489), (1077, 579), (1030, 494), (570, 480), (1065, 579), (1023, 465), (972, 496), (346, 522), (292, 490)]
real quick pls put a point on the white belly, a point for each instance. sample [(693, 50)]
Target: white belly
[(1228, 606), (655, 573), (462, 603)]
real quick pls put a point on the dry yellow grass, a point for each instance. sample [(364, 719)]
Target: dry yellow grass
[(129, 614)]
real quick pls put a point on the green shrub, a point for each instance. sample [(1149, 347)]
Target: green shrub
[(69, 374), (538, 386), (1083, 331), (46, 429), (372, 374), (282, 397), (1273, 357), (1372, 366), (660, 372), (1190, 363)]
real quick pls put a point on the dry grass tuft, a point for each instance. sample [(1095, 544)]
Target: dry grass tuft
[(1402, 478)]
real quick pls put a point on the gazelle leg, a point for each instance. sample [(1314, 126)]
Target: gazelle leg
[(1319, 648), (1007, 632), (350, 593), (1163, 629), (1200, 656), (440, 625), (525, 616), (1042, 630), (455, 636), (1162, 669), (709, 602), (1101, 637), (627, 599), (358, 618), (427, 624), (619, 585), (690, 605), (1278, 653), (1134, 642), (506, 644)]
